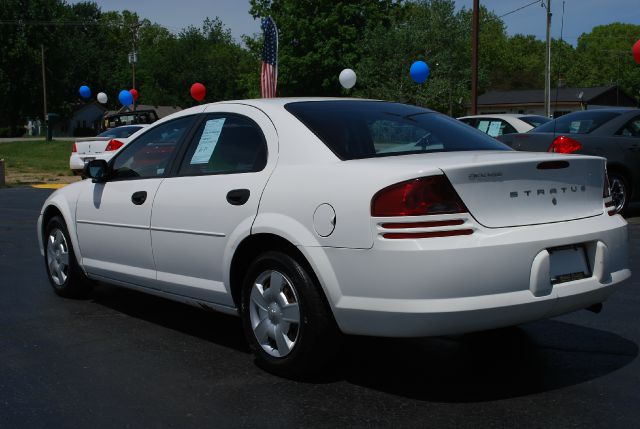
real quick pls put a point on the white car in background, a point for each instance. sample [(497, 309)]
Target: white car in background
[(300, 217), (497, 125), (102, 146)]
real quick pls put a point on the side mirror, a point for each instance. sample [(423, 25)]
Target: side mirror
[(97, 169)]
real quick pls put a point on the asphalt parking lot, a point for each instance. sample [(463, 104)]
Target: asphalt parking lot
[(125, 359)]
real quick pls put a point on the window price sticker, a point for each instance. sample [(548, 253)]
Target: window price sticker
[(208, 141)]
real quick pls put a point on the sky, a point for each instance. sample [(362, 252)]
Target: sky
[(580, 15)]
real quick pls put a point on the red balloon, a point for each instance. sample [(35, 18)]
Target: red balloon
[(198, 91), (134, 94), (636, 51)]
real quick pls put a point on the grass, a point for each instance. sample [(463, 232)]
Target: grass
[(36, 161)]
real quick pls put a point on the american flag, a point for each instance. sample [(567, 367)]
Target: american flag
[(269, 71)]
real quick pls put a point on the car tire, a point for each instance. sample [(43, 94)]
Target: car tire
[(286, 320), (619, 187), (64, 273)]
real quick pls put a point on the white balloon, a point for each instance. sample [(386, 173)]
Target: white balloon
[(347, 78), (102, 97)]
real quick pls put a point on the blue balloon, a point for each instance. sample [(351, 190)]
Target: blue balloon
[(85, 91), (125, 97), (419, 71)]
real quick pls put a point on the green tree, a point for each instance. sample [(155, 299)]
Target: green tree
[(319, 38), (20, 64), (603, 57), (170, 64), (431, 31)]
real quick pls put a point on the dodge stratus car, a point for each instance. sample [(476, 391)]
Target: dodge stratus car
[(313, 218)]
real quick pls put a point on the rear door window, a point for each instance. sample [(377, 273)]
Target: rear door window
[(225, 144)]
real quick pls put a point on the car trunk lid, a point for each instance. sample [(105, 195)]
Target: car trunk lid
[(91, 146), (506, 191)]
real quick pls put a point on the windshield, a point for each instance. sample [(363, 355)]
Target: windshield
[(366, 129), (582, 122), (120, 132), (534, 120)]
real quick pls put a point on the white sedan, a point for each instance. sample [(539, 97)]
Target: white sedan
[(102, 146), (506, 123), (299, 216)]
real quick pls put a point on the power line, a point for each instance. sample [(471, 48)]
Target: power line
[(520, 8)]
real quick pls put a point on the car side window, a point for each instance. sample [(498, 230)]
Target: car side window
[(149, 155), (495, 127), (225, 144), (631, 128)]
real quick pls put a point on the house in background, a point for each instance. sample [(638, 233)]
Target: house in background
[(84, 121), (161, 111), (87, 119), (563, 100)]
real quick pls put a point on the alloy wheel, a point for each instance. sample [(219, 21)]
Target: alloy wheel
[(274, 313), (58, 256), (618, 193)]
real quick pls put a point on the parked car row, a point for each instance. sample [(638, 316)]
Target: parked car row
[(610, 133), (313, 218)]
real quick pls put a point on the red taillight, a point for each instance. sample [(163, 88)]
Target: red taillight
[(417, 197), (114, 145), (564, 144), (74, 148)]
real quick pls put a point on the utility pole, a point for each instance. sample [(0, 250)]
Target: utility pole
[(133, 56), (474, 57), (44, 96), (547, 65)]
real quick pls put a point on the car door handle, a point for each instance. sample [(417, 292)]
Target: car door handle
[(238, 197), (138, 198)]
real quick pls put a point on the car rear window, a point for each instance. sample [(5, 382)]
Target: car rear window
[(367, 129), (120, 132), (535, 121), (577, 123)]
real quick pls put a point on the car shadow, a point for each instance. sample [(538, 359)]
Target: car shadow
[(208, 325), (485, 366)]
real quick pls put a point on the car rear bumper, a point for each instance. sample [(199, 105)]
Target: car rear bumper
[(77, 162), (452, 285), (459, 315)]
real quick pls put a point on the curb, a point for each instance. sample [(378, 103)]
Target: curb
[(49, 185)]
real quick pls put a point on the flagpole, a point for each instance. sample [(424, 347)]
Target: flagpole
[(277, 47)]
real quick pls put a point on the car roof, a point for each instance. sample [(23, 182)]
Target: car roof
[(497, 115), (267, 104), (281, 101), (611, 110)]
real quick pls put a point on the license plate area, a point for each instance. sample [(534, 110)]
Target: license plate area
[(568, 263)]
